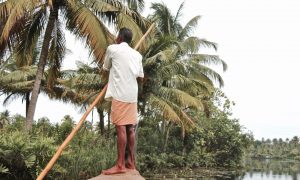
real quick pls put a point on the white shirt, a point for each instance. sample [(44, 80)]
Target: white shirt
[(124, 65)]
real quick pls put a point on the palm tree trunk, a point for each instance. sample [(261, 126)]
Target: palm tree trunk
[(41, 66), (163, 128), (168, 127), (101, 123), (108, 124), (27, 102)]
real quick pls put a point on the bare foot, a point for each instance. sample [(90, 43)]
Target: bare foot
[(130, 165), (114, 170)]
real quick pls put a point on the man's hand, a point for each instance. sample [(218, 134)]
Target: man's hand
[(104, 74), (140, 80)]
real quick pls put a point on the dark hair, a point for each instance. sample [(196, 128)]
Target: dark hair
[(126, 35)]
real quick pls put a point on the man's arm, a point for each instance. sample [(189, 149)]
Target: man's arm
[(107, 64), (140, 80), (104, 74)]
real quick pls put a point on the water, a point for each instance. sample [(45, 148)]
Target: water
[(254, 170), (271, 170)]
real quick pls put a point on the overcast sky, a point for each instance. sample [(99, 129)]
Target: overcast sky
[(259, 40)]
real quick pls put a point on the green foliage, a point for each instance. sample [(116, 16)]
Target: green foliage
[(216, 141), (24, 155), (275, 149), (3, 169), (177, 78)]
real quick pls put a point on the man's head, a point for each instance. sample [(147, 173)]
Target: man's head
[(125, 35)]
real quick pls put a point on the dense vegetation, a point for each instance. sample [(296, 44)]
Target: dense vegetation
[(275, 149), (214, 142)]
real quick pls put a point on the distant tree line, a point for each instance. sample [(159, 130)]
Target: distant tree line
[(276, 148)]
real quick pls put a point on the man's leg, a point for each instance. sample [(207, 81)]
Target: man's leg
[(121, 145), (131, 142)]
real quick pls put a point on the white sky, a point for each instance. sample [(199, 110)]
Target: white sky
[(259, 40)]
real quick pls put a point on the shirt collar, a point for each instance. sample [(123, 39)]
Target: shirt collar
[(124, 43)]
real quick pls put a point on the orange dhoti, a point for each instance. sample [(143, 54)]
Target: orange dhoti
[(123, 113)]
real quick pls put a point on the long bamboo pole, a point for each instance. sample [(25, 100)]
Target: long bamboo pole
[(99, 98)]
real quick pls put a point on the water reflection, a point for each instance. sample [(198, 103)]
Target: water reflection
[(271, 169), (254, 170)]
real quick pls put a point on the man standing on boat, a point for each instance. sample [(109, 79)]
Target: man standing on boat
[(125, 69)]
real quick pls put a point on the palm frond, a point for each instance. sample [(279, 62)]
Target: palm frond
[(17, 13), (163, 17), (18, 87), (178, 14), (196, 75), (211, 74), (208, 44), (6, 8), (192, 44), (160, 105), (205, 89), (56, 54), (111, 9), (176, 26), (159, 44), (65, 94), (84, 68), (167, 71), (67, 74), (82, 22), (186, 122), (159, 58), (107, 6), (88, 82), (187, 29), (136, 5), (11, 97), (26, 48), (208, 59), (19, 75), (116, 12), (181, 98), (191, 86), (7, 43), (106, 10)]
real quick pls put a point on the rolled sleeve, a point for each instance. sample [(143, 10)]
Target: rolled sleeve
[(107, 59)]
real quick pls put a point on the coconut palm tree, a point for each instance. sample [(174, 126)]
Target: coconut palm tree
[(26, 22), (87, 82), (16, 81), (17, 76), (177, 75)]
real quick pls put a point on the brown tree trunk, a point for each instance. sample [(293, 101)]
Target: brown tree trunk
[(101, 122), (168, 127), (27, 102), (108, 124), (163, 128), (41, 66)]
